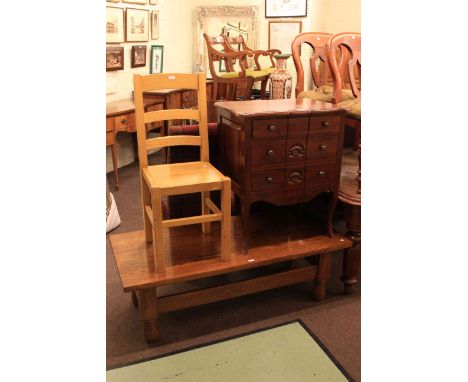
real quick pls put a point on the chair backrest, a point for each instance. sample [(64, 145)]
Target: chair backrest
[(347, 68), (170, 81), (318, 62), (229, 46), (215, 55)]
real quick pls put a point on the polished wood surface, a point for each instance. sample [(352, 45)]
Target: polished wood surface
[(281, 151), (318, 61), (201, 177)]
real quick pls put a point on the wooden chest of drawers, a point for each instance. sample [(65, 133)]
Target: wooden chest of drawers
[(281, 151)]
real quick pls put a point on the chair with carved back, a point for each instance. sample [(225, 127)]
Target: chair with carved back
[(260, 74), (231, 84), (158, 181), (346, 72), (348, 66), (319, 67)]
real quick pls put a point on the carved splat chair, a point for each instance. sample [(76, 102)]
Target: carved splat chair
[(232, 41), (158, 181), (233, 83), (319, 68)]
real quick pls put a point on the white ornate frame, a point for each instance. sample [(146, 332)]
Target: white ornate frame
[(202, 14)]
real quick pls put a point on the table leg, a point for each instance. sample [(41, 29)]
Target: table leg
[(352, 256), (323, 274), (149, 313), (245, 214), (134, 299), (331, 209)]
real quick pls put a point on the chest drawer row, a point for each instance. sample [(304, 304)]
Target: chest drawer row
[(295, 126), (294, 150)]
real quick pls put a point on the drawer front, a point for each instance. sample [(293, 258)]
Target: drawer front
[(125, 122), (268, 181), (298, 126), (320, 174), (158, 124), (189, 95), (268, 152), (294, 185), (296, 149), (325, 124), (270, 128), (110, 138), (322, 147)]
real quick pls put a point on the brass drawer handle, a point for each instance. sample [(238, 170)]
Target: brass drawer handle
[(123, 120), (269, 179), (270, 152), (271, 127), (323, 147), (321, 173), (325, 124)]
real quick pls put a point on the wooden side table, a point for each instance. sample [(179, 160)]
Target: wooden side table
[(281, 151)]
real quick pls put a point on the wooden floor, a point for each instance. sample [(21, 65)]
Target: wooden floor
[(276, 236)]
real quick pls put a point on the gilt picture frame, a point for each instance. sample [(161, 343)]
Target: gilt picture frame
[(156, 59), (114, 58), (115, 28), (137, 25), (281, 8)]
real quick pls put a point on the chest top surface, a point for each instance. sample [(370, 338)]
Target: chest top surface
[(256, 108)]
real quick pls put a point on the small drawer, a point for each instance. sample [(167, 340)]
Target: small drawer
[(268, 152), (296, 149), (110, 138), (325, 124), (270, 128), (268, 181), (125, 122), (298, 126), (322, 147), (320, 174)]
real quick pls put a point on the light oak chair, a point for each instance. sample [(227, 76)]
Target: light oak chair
[(158, 181)]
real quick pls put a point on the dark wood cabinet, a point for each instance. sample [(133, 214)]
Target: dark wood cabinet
[(281, 151)]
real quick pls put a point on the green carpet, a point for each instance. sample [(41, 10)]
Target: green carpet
[(286, 353)]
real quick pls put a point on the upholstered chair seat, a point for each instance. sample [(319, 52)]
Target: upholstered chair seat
[(353, 107), (325, 94), (248, 72)]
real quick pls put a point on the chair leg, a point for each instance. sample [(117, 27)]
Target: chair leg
[(206, 227), (114, 162), (158, 245), (263, 88), (226, 220), (146, 201)]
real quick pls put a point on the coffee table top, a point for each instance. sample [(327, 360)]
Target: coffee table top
[(275, 107)]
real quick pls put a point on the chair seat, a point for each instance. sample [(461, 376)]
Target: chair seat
[(353, 107), (325, 94), (248, 72), (180, 178), (269, 70)]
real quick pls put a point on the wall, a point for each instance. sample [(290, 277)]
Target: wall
[(176, 35)]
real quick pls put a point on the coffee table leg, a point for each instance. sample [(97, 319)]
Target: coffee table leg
[(149, 313), (323, 274)]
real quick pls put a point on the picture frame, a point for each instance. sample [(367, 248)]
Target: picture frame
[(136, 1), (281, 8), (153, 2), (137, 25), (113, 1), (154, 25), (138, 56), (114, 58), (156, 59), (281, 33), (115, 25)]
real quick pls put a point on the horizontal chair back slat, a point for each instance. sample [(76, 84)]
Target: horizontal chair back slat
[(179, 140), (164, 115), (170, 81)]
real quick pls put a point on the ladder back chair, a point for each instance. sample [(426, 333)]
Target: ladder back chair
[(162, 180), (231, 84)]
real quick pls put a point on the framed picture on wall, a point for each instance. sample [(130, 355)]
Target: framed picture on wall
[(153, 2), (156, 59), (154, 25), (281, 34), (114, 58), (114, 1), (137, 25), (114, 24), (138, 56), (282, 8)]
